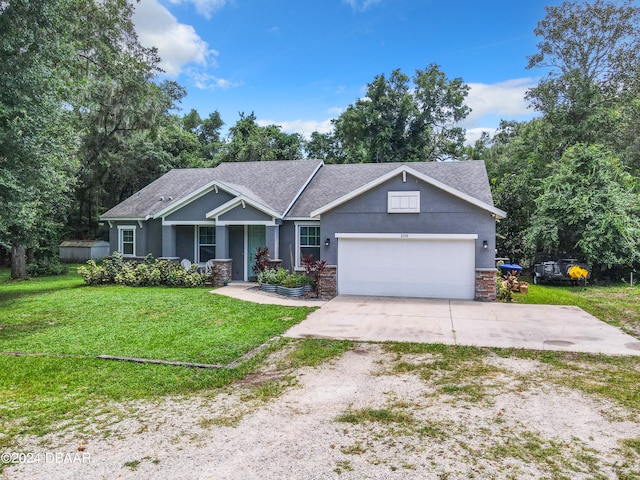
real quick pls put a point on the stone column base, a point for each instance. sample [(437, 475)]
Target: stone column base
[(222, 271), (327, 283), (485, 285)]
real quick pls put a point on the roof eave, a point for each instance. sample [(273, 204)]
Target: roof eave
[(213, 185), (234, 202)]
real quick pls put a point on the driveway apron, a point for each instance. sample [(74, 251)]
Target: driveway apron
[(457, 322)]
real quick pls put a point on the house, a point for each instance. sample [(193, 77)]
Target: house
[(416, 229)]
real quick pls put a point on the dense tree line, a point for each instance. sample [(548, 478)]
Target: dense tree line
[(85, 122), (570, 178)]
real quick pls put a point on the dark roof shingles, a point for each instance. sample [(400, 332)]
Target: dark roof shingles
[(335, 181), (275, 184)]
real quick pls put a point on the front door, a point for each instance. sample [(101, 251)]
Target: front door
[(236, 251), (257, 238), (243, 242)]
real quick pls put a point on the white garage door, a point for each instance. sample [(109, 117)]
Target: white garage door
[(407, 265)]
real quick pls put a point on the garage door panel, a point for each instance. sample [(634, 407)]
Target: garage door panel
[(439, 268)]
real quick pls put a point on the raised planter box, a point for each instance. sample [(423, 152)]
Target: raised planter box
[(267, 287), (291, 292)]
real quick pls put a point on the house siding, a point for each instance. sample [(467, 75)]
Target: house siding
[(440, 212), (287, 244), (185, 246), (154, 237), (247, 214), (197, 210)]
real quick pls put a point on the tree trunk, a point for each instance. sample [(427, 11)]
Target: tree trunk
[(18, 262)]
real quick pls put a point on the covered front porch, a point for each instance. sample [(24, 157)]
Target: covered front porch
[(233, 242)]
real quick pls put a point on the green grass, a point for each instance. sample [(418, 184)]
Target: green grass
[(382, 415), (53, 317), (65, 317)]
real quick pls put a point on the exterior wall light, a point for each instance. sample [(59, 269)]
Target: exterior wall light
[(485, 244), (327, 242)]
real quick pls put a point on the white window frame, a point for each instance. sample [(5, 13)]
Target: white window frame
[(396, 199), (198, 244), (298, 259), (121, 230)]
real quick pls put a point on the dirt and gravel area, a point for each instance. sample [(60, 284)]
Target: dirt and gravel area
[(372, 413)]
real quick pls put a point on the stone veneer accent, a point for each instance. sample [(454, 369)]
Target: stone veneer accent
[(223, 268), (327, 283), (485, 285)]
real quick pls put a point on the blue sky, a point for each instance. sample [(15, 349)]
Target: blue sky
[(300, 63)]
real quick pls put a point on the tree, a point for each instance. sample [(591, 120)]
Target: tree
[(515, 168), (251, 142), (117, 111), (397, 121), (588, 207), (207, 132), (593, 53), (120, 100), (326, 147), (36, 136)]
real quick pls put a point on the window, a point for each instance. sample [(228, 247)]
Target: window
[(308, 242), (206, 243), (127, 240), (403, 202)]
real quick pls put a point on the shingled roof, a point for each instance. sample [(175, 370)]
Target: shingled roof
[(335, 181), (273, 184), (307, 184)]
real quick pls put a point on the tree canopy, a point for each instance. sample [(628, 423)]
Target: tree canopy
[(36, 136), (569, 179), (399, 121)]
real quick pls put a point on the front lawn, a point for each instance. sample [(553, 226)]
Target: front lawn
[(62, 325)]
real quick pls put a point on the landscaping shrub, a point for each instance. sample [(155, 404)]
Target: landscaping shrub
[(281, 276), (269, 276), (313, 268), (293, 280), (46, 267), (115, 270), (262, 260)]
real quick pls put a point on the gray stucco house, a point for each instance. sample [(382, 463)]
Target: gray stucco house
[(416, 229)]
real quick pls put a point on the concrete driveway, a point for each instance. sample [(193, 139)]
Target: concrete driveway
[(456, 322)]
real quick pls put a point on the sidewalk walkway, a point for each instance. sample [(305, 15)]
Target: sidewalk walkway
[(250, 293)]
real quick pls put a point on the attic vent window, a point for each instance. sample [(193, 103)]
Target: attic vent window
[(162, 199), (403, 202)]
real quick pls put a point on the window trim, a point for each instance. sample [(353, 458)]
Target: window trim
[(298, 258), (121, 230), (198, 244)]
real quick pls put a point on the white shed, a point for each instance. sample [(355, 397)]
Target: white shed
[(83, 250)]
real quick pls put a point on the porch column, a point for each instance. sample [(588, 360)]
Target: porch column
[(222, 242), (168, 241), (273, 241)]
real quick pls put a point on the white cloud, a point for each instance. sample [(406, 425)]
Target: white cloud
[(206, 8), (360, 5), (504, 99), (337, 111), (178, 44), (205, 81), (303, 127), (474, 134)]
